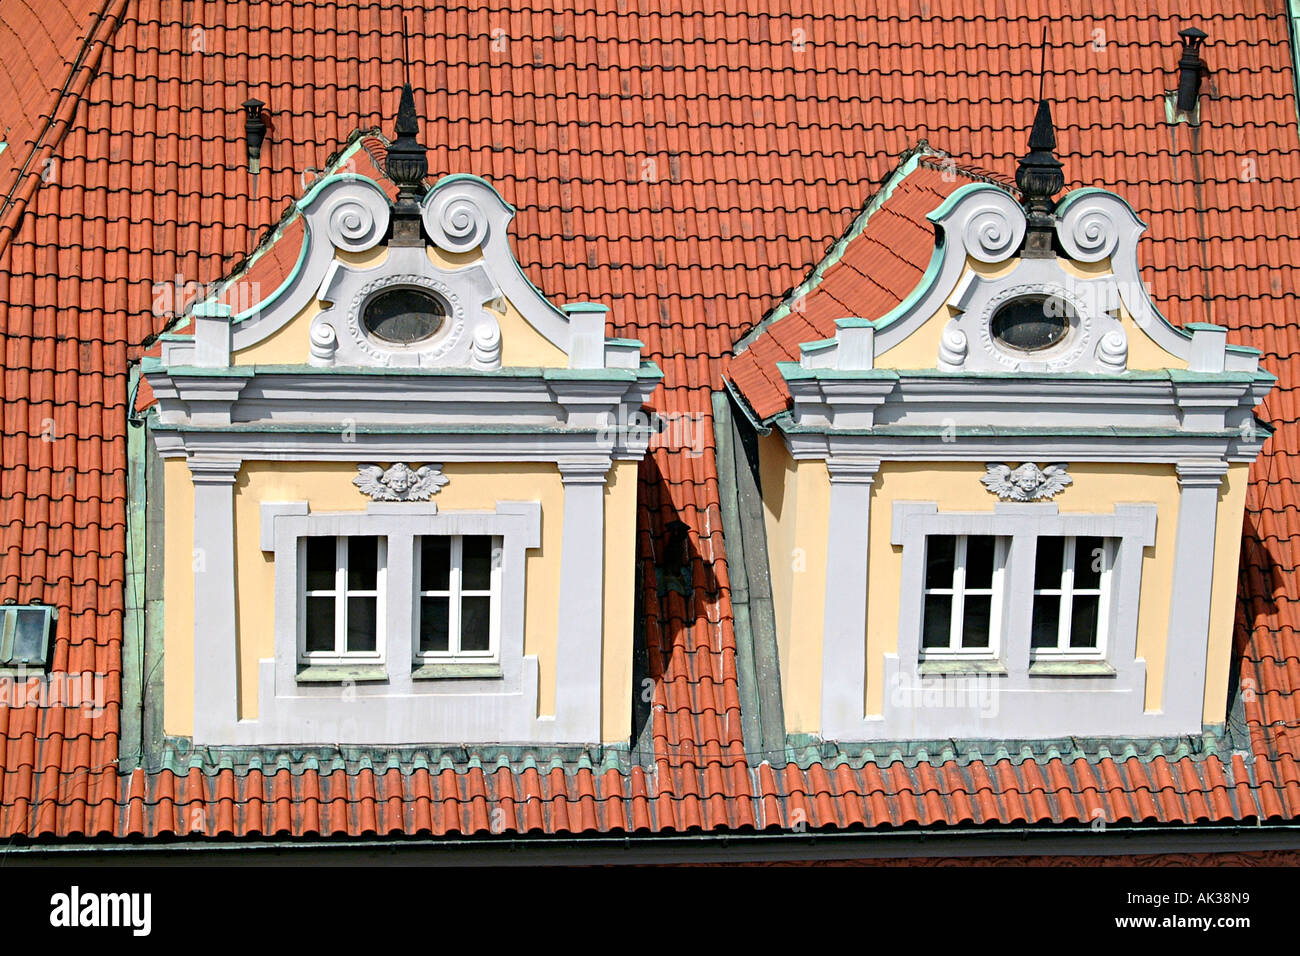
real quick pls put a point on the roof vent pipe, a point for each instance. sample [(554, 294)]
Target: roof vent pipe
[(254, 133), (1191, 69)]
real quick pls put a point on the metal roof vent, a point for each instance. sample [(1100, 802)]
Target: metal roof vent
[(254, 134), (1183, 105)]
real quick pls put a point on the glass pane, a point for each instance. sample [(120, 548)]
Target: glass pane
[(435, 563), (938, 620), (363, 562), (475, 623), (404, 315), (1049, 562), (361, 624), (320, 564), (1089, 559), (1032, 322), (476, 563), (1083, 624), (1047, 620), (320, 623), (977, 619), (433, 624), (979, 561), (29, 635), (938, 561)]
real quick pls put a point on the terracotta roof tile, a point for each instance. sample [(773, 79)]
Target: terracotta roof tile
[(131, 174)]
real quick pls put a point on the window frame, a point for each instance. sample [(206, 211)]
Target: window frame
[(455, 594), (1131, 525), (1062, 650), (341, 656), (958, 591)]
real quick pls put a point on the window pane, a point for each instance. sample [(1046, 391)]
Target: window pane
[(435, 563), (979, 561), (1049, 562), (320, 623), (1089, 558), (938, 620), (1083, 624), (433, 624), (361, 624), (476, 563), (321, 565), (977, 617), (938, 561), (475, 623), (1047, 618), (363, 562)]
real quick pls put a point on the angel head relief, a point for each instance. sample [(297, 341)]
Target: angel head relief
[(400, 482), (1027, 482)]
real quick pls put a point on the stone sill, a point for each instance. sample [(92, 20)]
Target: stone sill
[(1050, 668), (956, 668), (337, 673), (450, 671)]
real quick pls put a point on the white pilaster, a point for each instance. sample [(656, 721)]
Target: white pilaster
[(844, 630), (582, 590), (216, 674), (1189, 606)]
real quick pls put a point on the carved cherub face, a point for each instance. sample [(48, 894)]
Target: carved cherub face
[(399, 478), (1027, 477)]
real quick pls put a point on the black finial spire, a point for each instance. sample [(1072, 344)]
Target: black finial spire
[(1039, 175), (408, 161)]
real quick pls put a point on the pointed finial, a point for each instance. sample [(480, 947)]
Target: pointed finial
[(408, 161), (1039, 175)]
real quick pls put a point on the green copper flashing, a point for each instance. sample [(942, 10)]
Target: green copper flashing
[(647, 369), (272, 428), (807, 749), (950, 432), (1293, 24), (584, 307)]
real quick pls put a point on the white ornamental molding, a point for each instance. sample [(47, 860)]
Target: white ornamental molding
[(400, 482), (993, 226), (1026, 482)]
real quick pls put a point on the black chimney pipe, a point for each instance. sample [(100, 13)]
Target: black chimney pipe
[(1191, 69), (254, 133)]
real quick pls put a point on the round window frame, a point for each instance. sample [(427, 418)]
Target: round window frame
[(1071, 318), (380, 341), (1060, 355)]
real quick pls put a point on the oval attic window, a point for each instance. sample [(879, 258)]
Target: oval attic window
[(404, 316), (1032, 323)]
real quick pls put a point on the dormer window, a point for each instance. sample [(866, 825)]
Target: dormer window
[(1032, 323), (404, 316)]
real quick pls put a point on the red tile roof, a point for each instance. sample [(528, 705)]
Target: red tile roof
[(869, 271), (686, 169)]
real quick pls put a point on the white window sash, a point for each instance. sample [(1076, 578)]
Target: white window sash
[(340, 593), (955, 648), (1067, 593), (455, 594)]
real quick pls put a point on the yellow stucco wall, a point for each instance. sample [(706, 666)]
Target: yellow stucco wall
[(796, 510), (796, 505), (920, 350), (327, 486), (522, 346), (955, 486)]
